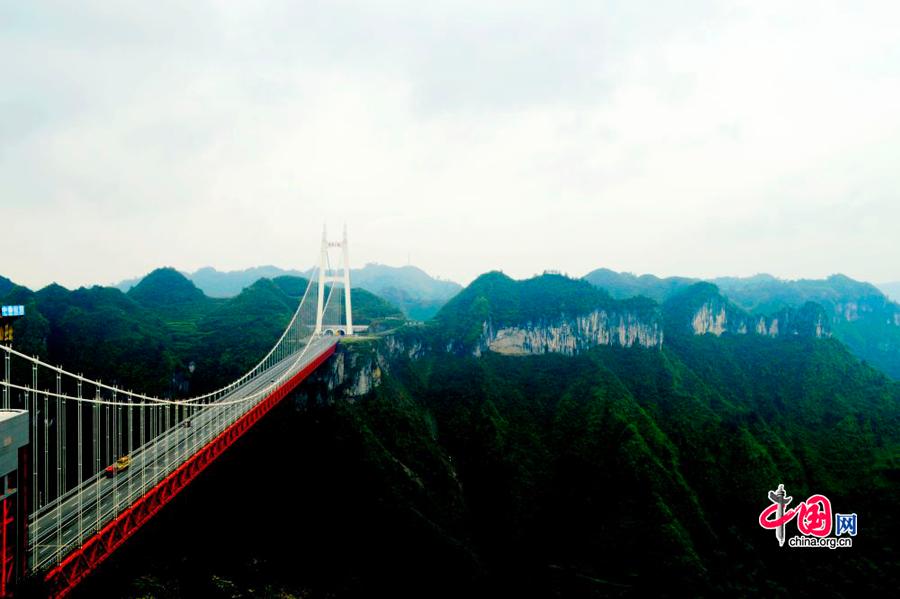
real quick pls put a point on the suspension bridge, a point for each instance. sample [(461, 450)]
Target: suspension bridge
[(85, 464)]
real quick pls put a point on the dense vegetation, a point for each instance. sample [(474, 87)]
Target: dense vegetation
[(617, 472), (623, 284), (620, 472), (147, 338), (808, 320), (639, 470), (497, 298), (5, 286), (861, 316)]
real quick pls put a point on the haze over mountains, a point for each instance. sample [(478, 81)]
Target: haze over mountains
[(892, 290), (858, 313), (418, 294)]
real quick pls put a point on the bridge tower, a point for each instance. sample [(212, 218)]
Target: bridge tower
[(326, 276)]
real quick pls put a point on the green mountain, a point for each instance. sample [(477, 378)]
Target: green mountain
[(634, 471), (701, 308), (611, 470), (238, 333), (176, 301), (507, 301), (293, 286), (367, 307), (552, 313), (5, 286), (859, 314), (623, 285), (228, 284), (760, 293), (166, 287), (418, 294), (495, 306), (153, 333), (768, 293), (631, 470), (90, 329)]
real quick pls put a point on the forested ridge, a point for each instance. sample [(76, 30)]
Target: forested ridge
[(614, 472)]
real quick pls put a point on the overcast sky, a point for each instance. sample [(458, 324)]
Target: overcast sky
[(693, 138)]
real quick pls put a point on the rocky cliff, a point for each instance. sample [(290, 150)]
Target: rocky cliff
[(549, 313), (574, 334), (702, 310), (353, 372), (872, 307), (512, 322), (809, 321)]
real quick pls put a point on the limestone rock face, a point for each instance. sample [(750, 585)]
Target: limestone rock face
[(710, 318), (572, 335), (353, 373), (394, 346), (349, 375), (716, 317), (869, 308), (848, 311)]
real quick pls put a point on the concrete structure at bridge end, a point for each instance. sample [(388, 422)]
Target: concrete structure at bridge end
[(13, 495)]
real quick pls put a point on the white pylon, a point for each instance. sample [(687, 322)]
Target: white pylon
[(325, 276), (347, 307)]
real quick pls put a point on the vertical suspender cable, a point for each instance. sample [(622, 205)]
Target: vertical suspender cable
[(141, 413), (109, 461), (154, 430), (59, 440), (65, 442), (34, 460), (182, 451), (130, 439), (114, 456), (215, 412), (167, 437), (80, 466), (177, 425), (95, 421), (46, 423)]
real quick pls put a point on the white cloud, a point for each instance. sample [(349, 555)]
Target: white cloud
[(705, 139)]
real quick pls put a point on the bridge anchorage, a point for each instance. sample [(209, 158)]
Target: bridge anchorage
[(84, 464)]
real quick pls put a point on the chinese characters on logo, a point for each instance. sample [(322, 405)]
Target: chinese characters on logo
[(845, 523), (813, 518)]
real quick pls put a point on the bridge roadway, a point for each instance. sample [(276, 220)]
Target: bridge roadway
[(102, 498)]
